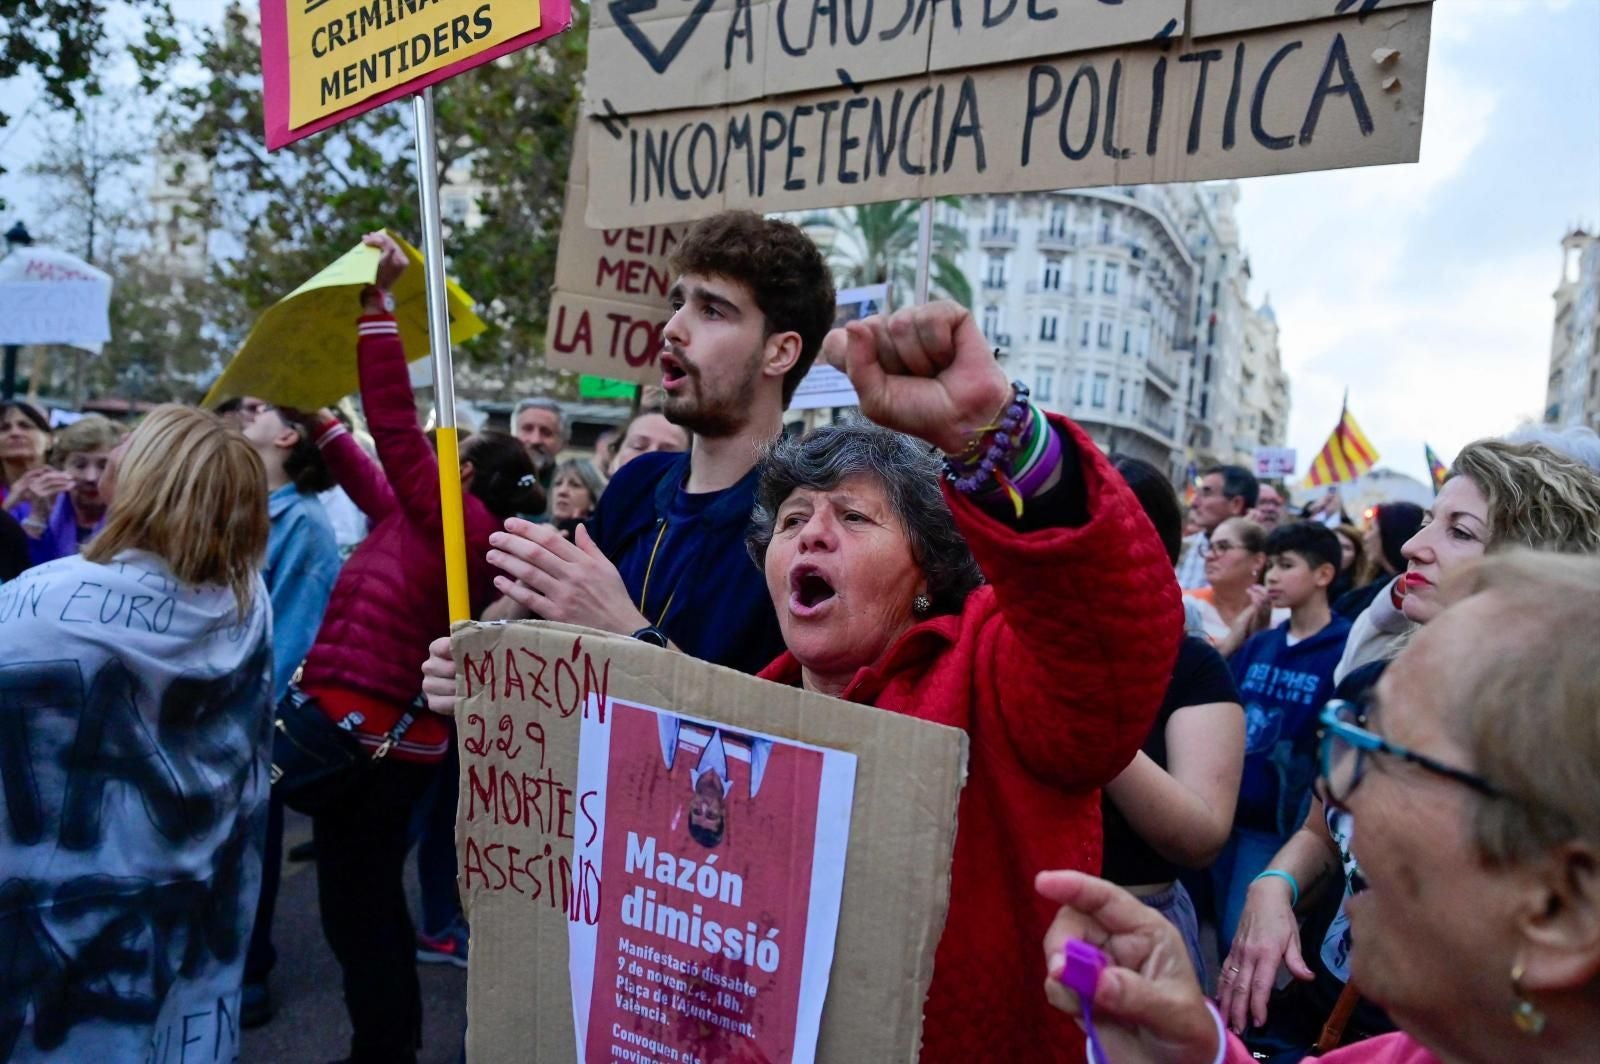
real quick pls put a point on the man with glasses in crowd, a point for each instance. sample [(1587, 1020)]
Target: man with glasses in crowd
[(1223, 491)]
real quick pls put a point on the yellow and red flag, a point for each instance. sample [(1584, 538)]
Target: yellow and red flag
[(1347, 455), (1436, 469)]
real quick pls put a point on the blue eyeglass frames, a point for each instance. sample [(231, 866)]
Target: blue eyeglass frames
[(1346, 743)]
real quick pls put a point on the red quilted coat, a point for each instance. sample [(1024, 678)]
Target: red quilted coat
[(389, 602), (1055, 669)]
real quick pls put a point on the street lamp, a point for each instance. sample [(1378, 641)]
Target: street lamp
[(16, 237)]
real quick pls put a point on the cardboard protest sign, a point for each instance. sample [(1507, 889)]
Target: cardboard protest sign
[(302, 350), (586, 758), (723, 856), (1235, 15), (610, 301), (645, 58), (51, 297), (324, 61), (1322, 94), (824, 386)]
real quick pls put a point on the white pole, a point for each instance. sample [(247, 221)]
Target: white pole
[(924, 249), (444, 391)]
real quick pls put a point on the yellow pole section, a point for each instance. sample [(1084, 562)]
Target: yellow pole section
[(455, 537)]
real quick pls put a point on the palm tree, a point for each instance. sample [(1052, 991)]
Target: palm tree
[(876, 243)]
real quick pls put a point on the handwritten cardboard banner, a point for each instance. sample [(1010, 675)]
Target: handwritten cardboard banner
[(610, 300), (645, 58), (1211, 17), (325, 61), (1324, 94), (525, 821)]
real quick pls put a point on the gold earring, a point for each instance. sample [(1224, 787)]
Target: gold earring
[(1529, 1020)]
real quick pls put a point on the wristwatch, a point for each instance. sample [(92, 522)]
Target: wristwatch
[(652, 635), (385, 297)]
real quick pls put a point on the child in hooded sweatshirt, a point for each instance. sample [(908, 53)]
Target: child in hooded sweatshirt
[(1285, 676)]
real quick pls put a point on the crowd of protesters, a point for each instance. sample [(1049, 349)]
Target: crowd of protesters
[(1191, 696)]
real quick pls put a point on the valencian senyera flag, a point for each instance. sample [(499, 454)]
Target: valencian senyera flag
[(1347, 455), (1436, 469)]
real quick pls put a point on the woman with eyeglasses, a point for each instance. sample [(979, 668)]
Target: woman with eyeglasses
[(1471, 779), (1499, 495), (1234, 606)]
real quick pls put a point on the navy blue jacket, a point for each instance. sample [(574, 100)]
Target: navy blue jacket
[(683, 560), (1284, 689)]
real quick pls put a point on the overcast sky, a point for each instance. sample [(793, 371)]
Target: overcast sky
[(1424, 289)]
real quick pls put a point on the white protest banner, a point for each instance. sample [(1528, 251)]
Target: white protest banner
[(824, 386), (610, 300), (588, 760), (1328, 92), (51, 297), (1275, 462), (723, 855)]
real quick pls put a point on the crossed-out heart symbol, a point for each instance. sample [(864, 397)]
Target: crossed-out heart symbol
[(659, 59)]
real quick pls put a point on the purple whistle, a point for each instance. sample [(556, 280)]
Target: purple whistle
[(1081, 974)]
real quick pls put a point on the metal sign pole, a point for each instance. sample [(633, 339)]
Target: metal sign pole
[(924, 249), (444, 392)]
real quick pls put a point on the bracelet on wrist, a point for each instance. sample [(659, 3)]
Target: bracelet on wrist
[(1010, 460), (1278, 873)]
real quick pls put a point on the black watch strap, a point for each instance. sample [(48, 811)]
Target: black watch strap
[(652, 635)]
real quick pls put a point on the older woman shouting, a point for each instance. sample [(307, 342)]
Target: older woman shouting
[(1471, 781), (1055, 664), (1027, 601)]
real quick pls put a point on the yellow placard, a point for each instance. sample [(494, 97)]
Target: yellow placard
[(344, 51), (302, 350)]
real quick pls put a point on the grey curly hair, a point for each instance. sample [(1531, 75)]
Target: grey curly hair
[(824, 457)]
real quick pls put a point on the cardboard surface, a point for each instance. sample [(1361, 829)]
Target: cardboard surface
[(610, 300), (647, 56), (301, 352), (525, 690), (385, 49), (1233, 16), (1322, 94)]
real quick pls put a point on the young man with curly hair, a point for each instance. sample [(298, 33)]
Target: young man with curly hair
[(663, 557)]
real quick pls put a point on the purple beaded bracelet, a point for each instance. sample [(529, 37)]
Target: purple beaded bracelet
[(971, 477)]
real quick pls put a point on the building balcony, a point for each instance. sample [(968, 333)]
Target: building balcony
[(1167, 430), (994, 237), (1065, 289), (1057, 240), (993, 283), (1144, 303), (999, 339), (1164, 375)]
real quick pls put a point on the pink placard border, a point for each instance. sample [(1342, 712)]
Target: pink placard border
[(555, 16)]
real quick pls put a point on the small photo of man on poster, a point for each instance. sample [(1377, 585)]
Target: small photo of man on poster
[(711, 780)]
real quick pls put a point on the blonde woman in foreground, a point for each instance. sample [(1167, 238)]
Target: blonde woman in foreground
[(134, 760)]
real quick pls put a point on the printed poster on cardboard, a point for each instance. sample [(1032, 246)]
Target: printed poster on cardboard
[(723, 853)]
